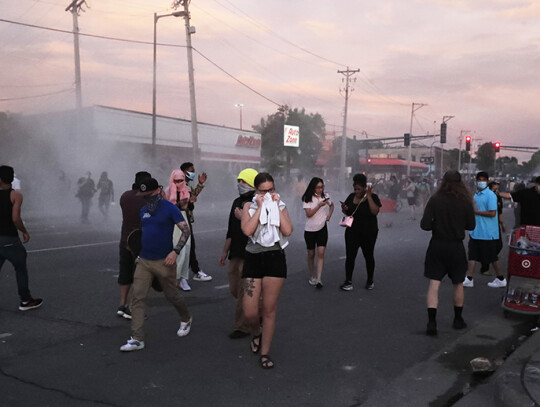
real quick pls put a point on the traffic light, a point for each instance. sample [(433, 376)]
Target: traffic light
[(443, 133), (406, 139), (468, 143), (497, 146)]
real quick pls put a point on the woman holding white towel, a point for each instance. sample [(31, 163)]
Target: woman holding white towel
[(266, 222)]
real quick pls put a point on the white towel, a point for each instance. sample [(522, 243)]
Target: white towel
[(267, 233)]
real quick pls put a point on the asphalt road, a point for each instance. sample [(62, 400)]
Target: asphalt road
[(331, 348)]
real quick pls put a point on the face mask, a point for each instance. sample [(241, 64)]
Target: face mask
[(190, 176), (481, 184), (244, 189), (152, 202)]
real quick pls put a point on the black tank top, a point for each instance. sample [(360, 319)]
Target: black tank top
[(7, 228)]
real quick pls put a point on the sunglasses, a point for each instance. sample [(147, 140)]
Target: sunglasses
[(178, 181)]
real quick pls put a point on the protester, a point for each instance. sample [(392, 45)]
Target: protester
[(86, 190), (189, 171), (179, 194), (494, 186), (410, 189), (157, 259), (11, 247), (266, 222), (106, 194), (235, 249), (363, 205), (318, 209), (131, 205), (529, 203), (448, 213), (483, 239), (424, 192)]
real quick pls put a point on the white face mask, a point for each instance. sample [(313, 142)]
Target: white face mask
[(190, 175), (481, 184)]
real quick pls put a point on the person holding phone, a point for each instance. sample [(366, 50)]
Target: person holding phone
[(318, 209), (363, 205)]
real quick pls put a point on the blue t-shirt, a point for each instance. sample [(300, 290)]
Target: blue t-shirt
[(157, 230), (486, 228)]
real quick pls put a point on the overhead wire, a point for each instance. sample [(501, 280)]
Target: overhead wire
[(37, 96)]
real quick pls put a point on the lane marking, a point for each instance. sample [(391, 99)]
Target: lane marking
[(72, 247), (220, 287)]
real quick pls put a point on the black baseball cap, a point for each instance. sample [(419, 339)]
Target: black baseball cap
[(147, 186)]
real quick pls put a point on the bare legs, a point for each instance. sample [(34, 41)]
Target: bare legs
[(320, 262)]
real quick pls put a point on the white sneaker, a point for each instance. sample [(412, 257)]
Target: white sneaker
[(184, 285), (132, 344), (312, 281), (497, 283), (202, 276), (468, 283), (185, 327)]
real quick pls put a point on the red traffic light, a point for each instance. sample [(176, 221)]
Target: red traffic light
[(497, 146), (468, 139)]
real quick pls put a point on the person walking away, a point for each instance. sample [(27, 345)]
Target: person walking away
[(106, 194), (424, 192), (266, 222), (86, 190), (363, 205), (529, 203), (448, 213), (131, 205), (179, 194), (157, 259), (189, 171), (318, 210), (410, 189), (484, 237), (235, 249), (11, 247)]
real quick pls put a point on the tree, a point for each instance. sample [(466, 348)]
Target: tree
[(454, 158), (485, 158), (274, 154)]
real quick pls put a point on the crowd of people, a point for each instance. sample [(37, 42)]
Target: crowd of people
[(157, 246)]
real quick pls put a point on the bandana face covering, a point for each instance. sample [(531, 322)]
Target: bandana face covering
[(152, 202), (244, 189)]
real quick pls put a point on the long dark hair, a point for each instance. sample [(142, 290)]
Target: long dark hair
[(262, 177), (310, 190), (451, 185)]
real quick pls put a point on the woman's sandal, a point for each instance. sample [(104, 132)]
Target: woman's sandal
[(256, 343), (266, 362)]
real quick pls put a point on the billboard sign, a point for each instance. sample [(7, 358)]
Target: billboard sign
[(291, 136)]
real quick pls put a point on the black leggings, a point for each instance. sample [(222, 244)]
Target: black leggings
[(352, 243)]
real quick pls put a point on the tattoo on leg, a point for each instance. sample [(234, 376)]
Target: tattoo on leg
[(249, 286)]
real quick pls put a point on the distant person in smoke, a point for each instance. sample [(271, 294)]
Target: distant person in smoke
[(11, 247), (410, 189), (529, 203), (86, 190), (106, 194), (189, 170)]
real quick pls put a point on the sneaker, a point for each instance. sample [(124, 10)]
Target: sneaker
[(184, 285), (123, 311), (31, 304), (185, 327), (202, 276), (431, 329), (497, 283), (459, 323), (370, 286), (346, 286), (319, 285), (312, 281), (468, 283), (132, 344)]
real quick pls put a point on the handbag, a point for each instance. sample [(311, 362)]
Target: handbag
[(347, 221)]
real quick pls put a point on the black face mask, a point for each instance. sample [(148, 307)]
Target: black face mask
[(152, 202)]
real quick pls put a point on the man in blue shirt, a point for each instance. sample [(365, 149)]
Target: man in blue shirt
[(157, 259), (483, 239)]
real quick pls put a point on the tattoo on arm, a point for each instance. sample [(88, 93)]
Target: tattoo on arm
[(183, 237), (249, 286)]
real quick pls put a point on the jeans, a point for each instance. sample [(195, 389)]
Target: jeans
[(352, 243), (13, 251)]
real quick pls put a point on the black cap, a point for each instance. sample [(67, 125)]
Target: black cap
[(148, 185)]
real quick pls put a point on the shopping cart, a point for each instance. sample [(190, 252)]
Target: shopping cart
[(523, 286)]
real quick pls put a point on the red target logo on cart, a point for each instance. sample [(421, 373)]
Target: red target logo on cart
[(526, 264)]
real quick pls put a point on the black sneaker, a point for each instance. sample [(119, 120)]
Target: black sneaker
[(370, 286), (346, 286), (319, 285), (31, 304), (431, 328), (459, 323), (123, 311)]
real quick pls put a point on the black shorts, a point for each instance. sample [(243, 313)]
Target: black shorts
[(445, 257), (127, 266), (318, 238), (483, 251), (411, 201), (265, 264)]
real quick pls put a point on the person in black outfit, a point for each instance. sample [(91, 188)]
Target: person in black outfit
[(448, 213), (363, 205), (529, 202)]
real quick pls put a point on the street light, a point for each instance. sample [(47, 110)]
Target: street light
[(240, 105), (156, 18)]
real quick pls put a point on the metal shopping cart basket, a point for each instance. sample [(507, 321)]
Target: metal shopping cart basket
[(523, 287)]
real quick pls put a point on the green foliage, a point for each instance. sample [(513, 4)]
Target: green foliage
[(485, 158), (274, 154)]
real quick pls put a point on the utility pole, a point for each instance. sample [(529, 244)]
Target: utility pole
[(444, 120), (347, 79), (415, 107), (75, 7)]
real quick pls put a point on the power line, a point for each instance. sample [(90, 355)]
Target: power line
[(36, 96)]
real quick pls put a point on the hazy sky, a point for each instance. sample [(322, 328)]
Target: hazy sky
[(477, 60)]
